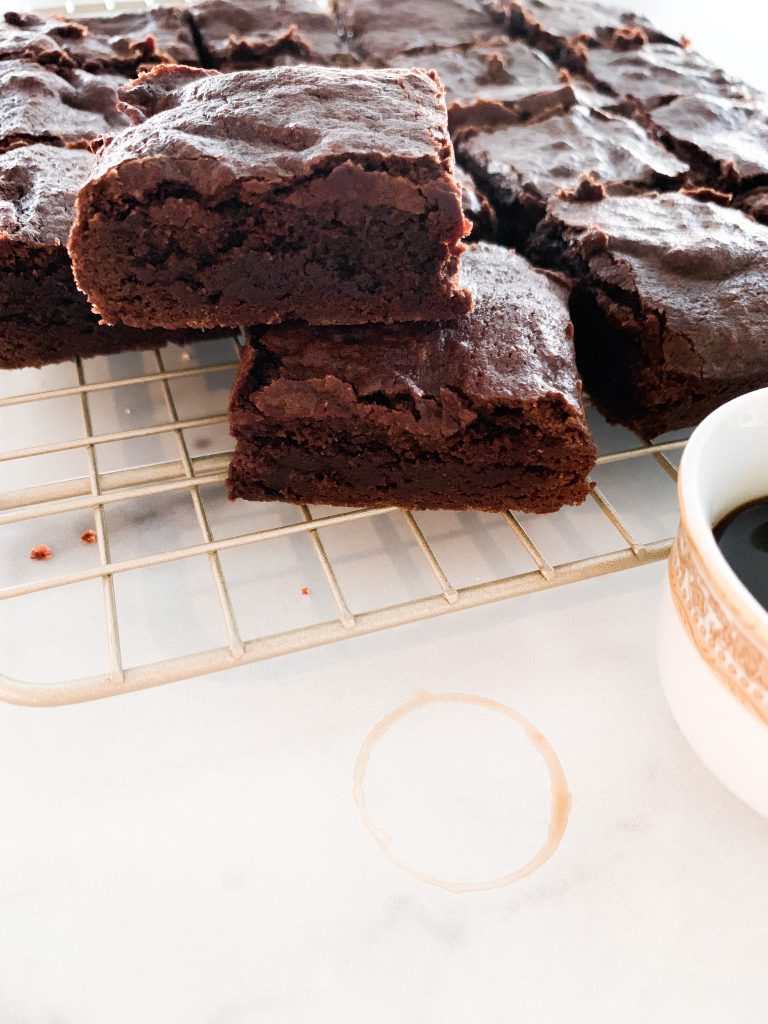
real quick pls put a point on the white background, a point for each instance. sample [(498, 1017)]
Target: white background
[(194, 855)]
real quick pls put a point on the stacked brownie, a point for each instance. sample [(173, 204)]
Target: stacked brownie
[(322, 200)]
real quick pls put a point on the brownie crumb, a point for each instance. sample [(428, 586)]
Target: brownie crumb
[(89, 537), (305, 591), (629, 37), (592, 242), (41, 553), (589, 190)]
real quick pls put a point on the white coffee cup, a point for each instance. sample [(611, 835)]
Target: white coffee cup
[(713, 634)]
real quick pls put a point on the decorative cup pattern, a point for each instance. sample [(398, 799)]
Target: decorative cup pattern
[(719, 631)]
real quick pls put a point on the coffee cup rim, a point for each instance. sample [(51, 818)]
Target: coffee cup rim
[(695, 520)]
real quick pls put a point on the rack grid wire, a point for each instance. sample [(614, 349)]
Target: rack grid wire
[(97, 488), (99, 491)]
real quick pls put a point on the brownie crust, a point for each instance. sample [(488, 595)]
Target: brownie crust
[(660, 72), (311, 193), (566, 30), (116, 43), (520, 167), (483, 412), (163, 35), (383, 32), (240, 34), (670, 303), (725, 141), (61, 106), (503, 82)]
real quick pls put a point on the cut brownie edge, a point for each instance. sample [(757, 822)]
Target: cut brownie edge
[(241, 249), (273, 472)]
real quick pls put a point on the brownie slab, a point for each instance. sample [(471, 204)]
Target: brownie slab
[(116, 43), (565, 29), (43, 103), (382, 31), (43, 317), (660, 72), (520, 167), (670, 303), (483, 412), (502, 82), (725, 141), (240, 34), (311, 193)]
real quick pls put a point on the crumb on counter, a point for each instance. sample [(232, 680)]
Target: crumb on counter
[(41, 553), (305, 591), (89, 537)]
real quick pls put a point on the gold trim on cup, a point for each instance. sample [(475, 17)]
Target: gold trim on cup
[(718, 629)]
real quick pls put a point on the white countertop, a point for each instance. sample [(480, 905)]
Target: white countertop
[(195, 855)]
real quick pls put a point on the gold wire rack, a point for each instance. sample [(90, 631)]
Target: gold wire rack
[(99, 491), (85, 472)]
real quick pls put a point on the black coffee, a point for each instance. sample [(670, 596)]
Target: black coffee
[(743, 538)]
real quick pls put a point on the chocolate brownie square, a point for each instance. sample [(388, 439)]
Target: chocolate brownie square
[(670, 303), (725, 141), (385, 30), (116, 43), (483, 412), (310, 193), (43, 317), (566, 30), (62, 106), (495, 83), (659, 72), (520, 167), (240, 34)]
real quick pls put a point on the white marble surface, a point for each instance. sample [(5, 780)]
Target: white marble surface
[(194, 854)]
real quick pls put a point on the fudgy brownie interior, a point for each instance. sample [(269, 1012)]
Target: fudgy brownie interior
[(310, 193)]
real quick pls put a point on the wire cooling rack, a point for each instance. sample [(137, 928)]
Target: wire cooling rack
[(179, 582), (131, 453)]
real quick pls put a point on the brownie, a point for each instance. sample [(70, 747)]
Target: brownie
[(520, 167), (384, 30), (163, 35), (501, 82), (43, 317), (725, 141), (477, 209), (45, 103), (311, 193), (566, 30), (240, 34), (660, 72), (670, 303), (116, 43), (483, 412)]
